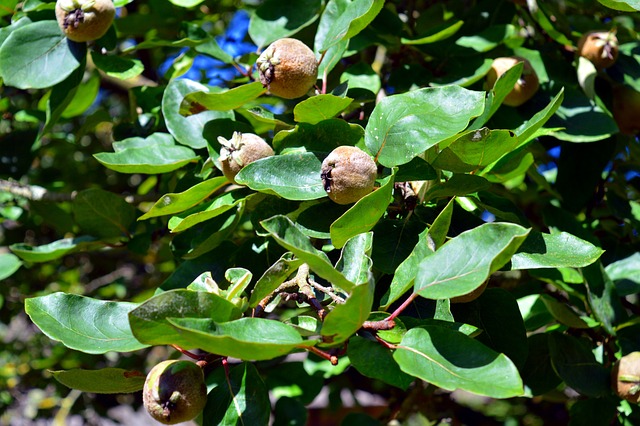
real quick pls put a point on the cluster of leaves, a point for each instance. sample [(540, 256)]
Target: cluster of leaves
[(470, 194)]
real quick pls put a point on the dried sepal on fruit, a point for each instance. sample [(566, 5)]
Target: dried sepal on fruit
[(599, 47), (625, 377), (348, 174), (288, 68), (240, 150), (174, 391), (85, 20), (526, 86)]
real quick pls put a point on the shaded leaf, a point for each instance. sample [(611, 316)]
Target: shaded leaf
[(373, 360), (103, 214), (319, 108), (54, 250), (197, 102), (9, 264), (276, 19), (105, 380)]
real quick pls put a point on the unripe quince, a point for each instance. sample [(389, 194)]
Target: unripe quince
[(174, 391), (625, 377), (85, 20), (600, 47), (240, 150), (348, 174), (526, 86), (288, 68)]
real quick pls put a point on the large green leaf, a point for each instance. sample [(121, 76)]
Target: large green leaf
[(364, 215), (239, 399), (372, 359), (527, 130), (84, 324), (288, 235), (38, 55), (557, 250), (245, 338), (405, 125), (118, 66), (321, 137), (276, 19), (197, 102), (355, 16), (466, 261), (149, 320), (187, 130), (208, 210), (622, 5), (152, 157), (103, 214), (452, 360), (574, 363), (105, 380), (537, 373), (624, 274), (319, 108), (178, 202), (457, 185), (54, 250), (293, 176), (502, 87)]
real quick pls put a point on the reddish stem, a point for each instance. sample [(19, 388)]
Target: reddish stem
[(324, 355), (187, 353), (402, 307)]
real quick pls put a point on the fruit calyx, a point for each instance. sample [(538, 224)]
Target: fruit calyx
[(230, 150), (75, 11)]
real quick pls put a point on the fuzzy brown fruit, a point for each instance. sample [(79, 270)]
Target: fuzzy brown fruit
[(625, 377), (85, 20), (288, 68), (174, 391), (240, 150), (600, 47), (348, 174), (626, 110), (526, 86)]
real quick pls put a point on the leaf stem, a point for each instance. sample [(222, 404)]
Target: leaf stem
[(402, 307)]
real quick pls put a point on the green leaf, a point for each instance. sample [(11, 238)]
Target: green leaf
[(147, 159), (276, 19), (231, 99), (457, 185), (322, 137), (373, 360), (528, 129), (347, 318), (355, 17), (332, 57), (438, 33), (149, 320), (502, 87), (84, 324), (405, 125), (273, 277), (496, 313), (288, 235), (622, 5), (355, 262), (293, 176), (245, 338), (208, 210), (603, 298), (364, 214), (574, 363), (452, 360), (466, 261), (557, 250), (187, 130), (178, 202), (562, 312), (52, 251), (103, 214), (361, 76), (538, 374), (488, 38), (319, 108), (475, 149), (38, 55), (84, 97), (117, 66), (105, 380), (9, 264), (241, 399), (623, 273)]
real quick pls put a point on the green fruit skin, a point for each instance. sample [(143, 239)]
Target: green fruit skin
[(174, 391), (293, 73), (97, 20), (348, 174)]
